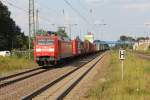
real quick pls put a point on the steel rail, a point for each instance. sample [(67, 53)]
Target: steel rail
[(17, 74), (6, 83), (68, 89), (45, 87)]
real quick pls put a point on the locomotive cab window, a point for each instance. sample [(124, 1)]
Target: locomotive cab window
[(45, 42)]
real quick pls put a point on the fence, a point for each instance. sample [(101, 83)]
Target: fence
[(22, 54)]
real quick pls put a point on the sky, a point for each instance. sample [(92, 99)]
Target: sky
[(106, 19)]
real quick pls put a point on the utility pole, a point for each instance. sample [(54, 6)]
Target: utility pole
[(31, 23), (70, 28), (32, 17), (80, 34), (101, 31), (37, 20), (91, 15), (147, 25)]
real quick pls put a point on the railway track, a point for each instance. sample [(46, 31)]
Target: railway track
[(144, 56), (11, 79), (61, 86), (22, 87), (17, 74)]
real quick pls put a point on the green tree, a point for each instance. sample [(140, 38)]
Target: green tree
[(126, 42), (10, 34)]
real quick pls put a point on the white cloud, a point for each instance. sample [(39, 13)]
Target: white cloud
[(138, 7)]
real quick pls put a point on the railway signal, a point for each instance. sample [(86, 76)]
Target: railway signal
[(122, 58)]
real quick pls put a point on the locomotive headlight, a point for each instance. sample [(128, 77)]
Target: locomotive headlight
[(51, 49), (38, 50)]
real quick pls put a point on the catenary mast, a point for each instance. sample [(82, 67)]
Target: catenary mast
[(31, 22)]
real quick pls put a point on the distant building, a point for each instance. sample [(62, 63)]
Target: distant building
[(142, 44), (89, 37)]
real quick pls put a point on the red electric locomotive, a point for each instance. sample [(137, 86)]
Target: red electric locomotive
[(50, 48)]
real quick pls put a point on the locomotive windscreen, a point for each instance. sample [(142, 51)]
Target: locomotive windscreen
[(45, 42)]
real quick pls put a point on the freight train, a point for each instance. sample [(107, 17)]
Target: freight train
[(51, 48)]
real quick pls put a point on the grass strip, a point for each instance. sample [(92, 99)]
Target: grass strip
[(136, 83)]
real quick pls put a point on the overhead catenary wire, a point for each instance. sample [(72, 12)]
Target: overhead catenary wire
[(90, 11), (53, 11), (13, 5), (25, 11), (75, 10), (43, 18)]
